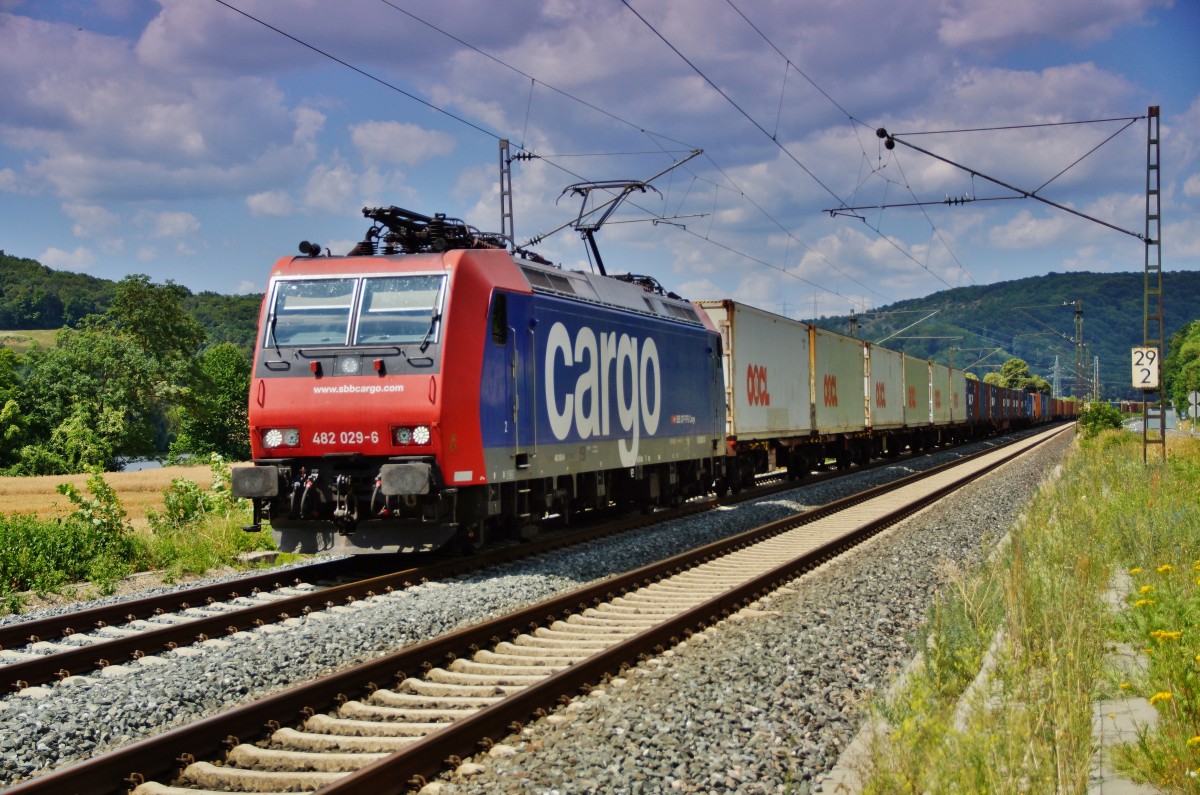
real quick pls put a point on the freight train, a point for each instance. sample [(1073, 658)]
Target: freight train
[(432, 387)]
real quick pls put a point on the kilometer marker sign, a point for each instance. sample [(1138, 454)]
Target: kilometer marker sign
[(1145, 368)]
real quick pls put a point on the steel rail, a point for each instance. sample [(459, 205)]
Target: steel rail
[(160, 756), (21, 632), (444, 749), (102, 652)]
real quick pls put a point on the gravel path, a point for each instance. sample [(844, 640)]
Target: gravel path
[(828, 648)]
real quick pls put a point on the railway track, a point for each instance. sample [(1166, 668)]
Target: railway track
[(457, 693), (56, 648)]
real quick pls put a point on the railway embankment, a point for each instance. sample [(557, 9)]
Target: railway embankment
[(1088, 619)]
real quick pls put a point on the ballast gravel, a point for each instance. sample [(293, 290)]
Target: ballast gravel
[(763, 704)]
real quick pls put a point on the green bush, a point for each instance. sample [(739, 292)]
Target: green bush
[(1098, 416), (199, 530), (196, 530), (93, 543)]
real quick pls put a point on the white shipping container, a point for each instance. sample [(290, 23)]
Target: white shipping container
[(839, 381), (943, 389), (766, 371), (886, 392), (917, 406)]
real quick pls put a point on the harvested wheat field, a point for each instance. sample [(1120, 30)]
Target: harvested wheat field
[(137, 491)]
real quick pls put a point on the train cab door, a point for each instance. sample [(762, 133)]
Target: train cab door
[(521, 385), (504, 432)]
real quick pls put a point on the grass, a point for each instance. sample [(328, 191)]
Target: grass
[(189, 530), (138, 492), (22, 341), (1040, 606)]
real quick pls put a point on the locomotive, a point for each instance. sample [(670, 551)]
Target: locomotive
[(432, 387)]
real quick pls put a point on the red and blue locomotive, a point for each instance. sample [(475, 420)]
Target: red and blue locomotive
[(432, 387)]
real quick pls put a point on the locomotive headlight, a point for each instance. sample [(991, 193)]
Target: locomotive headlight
[(415, 435), (281, 437)]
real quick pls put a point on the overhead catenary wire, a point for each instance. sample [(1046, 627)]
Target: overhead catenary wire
[(782, 148), (856, 123), (623, 121), (547, 158)]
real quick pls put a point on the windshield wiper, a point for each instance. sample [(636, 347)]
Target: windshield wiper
[(271, 333), (433, 321)]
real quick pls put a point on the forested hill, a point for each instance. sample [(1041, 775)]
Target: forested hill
[(33, 296), (1033, 319)]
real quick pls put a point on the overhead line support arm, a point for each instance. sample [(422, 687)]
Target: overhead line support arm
[(890, 142)]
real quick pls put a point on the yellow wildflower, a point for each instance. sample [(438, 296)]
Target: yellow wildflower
[(1143, 602), (1166, 567), (1146, 589), (1162, 634), (1194, 741), (1162, 695), (1138, 569), (1124, 685)]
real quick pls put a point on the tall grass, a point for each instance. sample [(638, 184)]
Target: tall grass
[(93, 542), (1041, 602)]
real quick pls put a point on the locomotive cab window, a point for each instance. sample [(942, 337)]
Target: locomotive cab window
[(392, 310), (500, 319), (400, 310), (311, 312)]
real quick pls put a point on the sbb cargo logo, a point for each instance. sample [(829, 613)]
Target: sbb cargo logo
[(584, 407), (757, 393)]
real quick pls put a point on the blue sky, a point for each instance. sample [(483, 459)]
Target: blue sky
[(186, 141)]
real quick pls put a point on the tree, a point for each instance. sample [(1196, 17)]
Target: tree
[(1015, 374), (1181, 368), (216, 420), (154, 316), (12, 422), (1012, 372), (106, 390), (90, 399)]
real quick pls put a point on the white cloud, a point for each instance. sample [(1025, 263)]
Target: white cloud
[(170, 225), (95, 123), (270, 203), (90, 219), (78, 260), (975, 22), (203, 113), (397, 142), (1191, 188), (331, 187), (1025, 231)]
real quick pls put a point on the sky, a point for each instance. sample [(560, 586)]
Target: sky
[(200, 140)]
